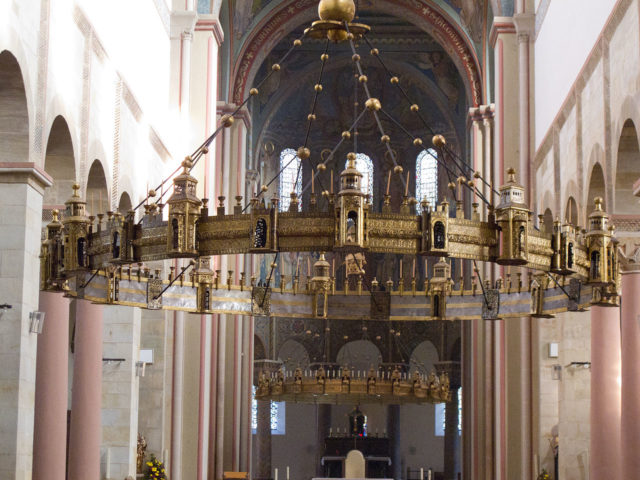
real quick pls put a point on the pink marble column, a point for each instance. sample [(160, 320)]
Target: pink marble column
[(85, 434), (630, 425), (52, 365), (605, 392)]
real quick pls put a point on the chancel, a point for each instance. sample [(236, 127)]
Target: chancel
[(320, 238)]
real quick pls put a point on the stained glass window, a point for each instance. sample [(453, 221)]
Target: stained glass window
[(427, 177), (277, 415), (290, 181), (365, 166)]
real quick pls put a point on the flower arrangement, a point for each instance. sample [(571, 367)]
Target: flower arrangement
[(155, 469), (544, 475)]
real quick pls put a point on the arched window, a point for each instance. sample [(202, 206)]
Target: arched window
[(426, 178), (365, 166), (290, 181)]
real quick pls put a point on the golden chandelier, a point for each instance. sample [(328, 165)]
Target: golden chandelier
[(103, 259)]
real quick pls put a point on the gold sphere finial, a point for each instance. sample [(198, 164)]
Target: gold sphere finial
[(337, 10), (75, 187), (397, 169), (264, 188), (152, 193), (227, 120), (304, 153), (598, 202), (438, 141), (373, 104), (351, 156), (512, 174)]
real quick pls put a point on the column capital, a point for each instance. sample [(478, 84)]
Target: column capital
[(210, 23), (630, 262), (182, 24), (525, 24), (25, 172), (501, 26), (228, 108)]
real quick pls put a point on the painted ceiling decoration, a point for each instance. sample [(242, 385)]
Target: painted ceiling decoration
[(290, 15)]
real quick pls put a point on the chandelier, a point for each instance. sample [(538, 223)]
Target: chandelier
[(557, 266)]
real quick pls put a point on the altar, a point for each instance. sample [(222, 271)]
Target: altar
[(376, 452)]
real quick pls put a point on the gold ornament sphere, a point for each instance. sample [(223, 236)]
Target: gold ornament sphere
[(373, 104), (337, 35), (337, 10), (304, 153), (322, 167), (397, 169), (438, 141), (264, 188)]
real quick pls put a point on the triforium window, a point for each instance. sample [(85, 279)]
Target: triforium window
[(426, 178), (290, 180), (365, 166), (277, 415)]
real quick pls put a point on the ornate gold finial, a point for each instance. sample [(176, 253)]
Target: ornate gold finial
[(438, 141), (598, 202), (512, 174), (54, 215), (373, 104), (337, 10), (346, 134), (227, 120), (397, 169), (76, 188), (253, 91), (152, 193), (304, 153)]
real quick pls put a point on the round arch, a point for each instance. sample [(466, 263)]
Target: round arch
[(293, 354), (124, 205), (597, 188), (293, 13), (571, 211), (627, 171), (14, 111), (97, 194), (59, 162), (423, 357), (360, 355)]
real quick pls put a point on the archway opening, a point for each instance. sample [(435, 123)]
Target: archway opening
[(59, 162), (627, 172), (571, 211), (359, 355), (596, 188), (124, 205), (14, 115), (97, 193)]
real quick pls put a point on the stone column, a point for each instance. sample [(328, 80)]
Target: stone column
[(451, 435), (452, 438), (630, 332), (605, 393), (176, 407), (120, 391), (52, 371), (21, 189), (324, 423), (263, 440), (84, 436), (393, 427)]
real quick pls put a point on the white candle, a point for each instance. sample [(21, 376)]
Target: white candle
[(430, 474), (421, 473), (108, 464), (287, 472), (275, 474)]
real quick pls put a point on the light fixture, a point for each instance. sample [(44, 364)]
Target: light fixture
[(37, 321)]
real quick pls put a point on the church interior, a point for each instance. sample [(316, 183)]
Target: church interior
[(314, 239)]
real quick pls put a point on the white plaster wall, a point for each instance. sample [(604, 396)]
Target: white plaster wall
[(567, 35), (592, 118), (568, 159)]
